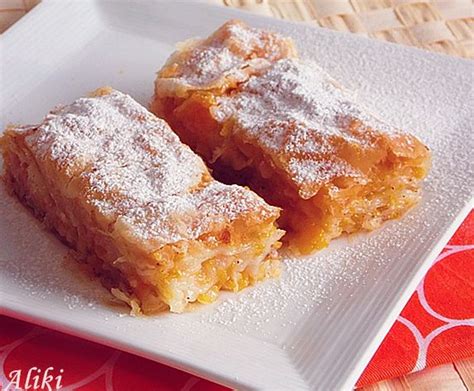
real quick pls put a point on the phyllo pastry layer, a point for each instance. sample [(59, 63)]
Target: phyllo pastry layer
[(262, 117), (116, 184)]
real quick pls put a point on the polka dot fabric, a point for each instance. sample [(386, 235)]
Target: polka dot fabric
[(437, 324), (435, 327)]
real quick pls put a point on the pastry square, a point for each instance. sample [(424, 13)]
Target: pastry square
[(116, 184), (262, 117)]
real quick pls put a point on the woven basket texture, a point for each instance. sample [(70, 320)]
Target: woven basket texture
[(445, 26)]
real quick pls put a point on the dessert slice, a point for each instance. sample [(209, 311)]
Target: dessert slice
[(116, 184), (291, 133)]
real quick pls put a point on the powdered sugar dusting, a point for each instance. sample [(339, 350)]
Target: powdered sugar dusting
[(304, 285), (316, 171), (136, 171), (226, 53), (129, 148), (295, 110), (211, 62), (275, 308)]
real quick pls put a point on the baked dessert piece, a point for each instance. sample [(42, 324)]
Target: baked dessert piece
[(116, 184), (291, 133)]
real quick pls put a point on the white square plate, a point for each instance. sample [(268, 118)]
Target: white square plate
[(320, 324)]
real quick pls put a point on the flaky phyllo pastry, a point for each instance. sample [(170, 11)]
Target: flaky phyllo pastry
[(261, 116), (117, 185)]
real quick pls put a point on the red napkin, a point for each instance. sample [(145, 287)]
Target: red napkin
[(437, 324), (435, 327)]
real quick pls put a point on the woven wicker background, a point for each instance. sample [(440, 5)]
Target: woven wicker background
[(440, 25), (12, 10)]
